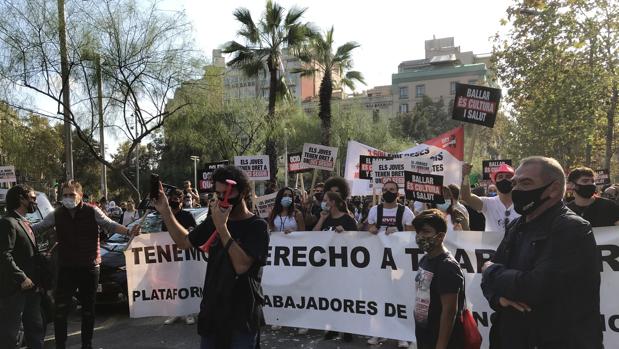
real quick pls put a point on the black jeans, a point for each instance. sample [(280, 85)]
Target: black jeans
[(84, 280), (23, 306)]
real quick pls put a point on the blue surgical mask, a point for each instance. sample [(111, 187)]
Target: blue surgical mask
[(443, 207), (286, 201), (492, 194), (324, 206)]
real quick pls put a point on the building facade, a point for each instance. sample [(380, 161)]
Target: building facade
[(436, 75)]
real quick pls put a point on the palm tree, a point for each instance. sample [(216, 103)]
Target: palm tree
[(318, 58), (261, 52)]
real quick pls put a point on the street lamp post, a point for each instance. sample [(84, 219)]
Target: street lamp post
[(195, 170)]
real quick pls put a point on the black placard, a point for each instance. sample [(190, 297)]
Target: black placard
[(602, 177), (295, 165), (365, 165), (205, 184), (488, 166), (476, 104), (424, 187)]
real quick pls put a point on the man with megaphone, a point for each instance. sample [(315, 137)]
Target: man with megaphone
[(237, 243)]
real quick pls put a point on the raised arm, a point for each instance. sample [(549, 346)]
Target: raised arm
[(465, 190)]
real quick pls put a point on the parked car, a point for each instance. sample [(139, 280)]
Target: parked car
[(112, 286)]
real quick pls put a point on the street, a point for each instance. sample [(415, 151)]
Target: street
[(114, 329)]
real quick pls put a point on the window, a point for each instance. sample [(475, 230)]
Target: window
[(404, 92), (404, 108), (452, 88), (420, 90)]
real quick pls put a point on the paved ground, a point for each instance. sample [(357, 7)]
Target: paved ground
[(114, 329)]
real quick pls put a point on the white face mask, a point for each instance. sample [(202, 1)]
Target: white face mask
[(69, 203)]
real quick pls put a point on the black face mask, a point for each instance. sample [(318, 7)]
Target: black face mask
[(504, 186), (175, 205), (527, 201), (319, 196), (585, 190), (389, 197)]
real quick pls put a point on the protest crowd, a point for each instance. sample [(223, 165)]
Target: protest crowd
[(545, 217)]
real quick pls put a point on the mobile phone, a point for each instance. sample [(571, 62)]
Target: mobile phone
[(154, 186)]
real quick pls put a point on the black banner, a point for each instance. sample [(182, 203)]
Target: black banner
[(602, 177), (295, 165), (476, 104), (205, 184), (365, 165), (424, 187), (489, 166)]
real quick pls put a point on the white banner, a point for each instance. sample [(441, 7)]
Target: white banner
[(445, 152), (265, 204), (256, 166), (163, 280), (319, 156), (7, 174), (350, 282)]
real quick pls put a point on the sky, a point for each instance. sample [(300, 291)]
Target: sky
[(389, 31)]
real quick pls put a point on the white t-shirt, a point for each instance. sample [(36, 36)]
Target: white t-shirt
[(286, 222), (496, 214), (389, 217), (130, 217)]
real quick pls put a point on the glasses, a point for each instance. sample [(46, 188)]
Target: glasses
[(506, 220)]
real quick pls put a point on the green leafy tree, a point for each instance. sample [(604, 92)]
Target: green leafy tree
[(428, 119), (262, 50), (321, 58)]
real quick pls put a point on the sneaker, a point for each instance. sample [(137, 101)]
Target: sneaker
[(275, 327), (347, 337), (329, 335), (189, 320), (373, 341), (303, 331), (402, 344), (170, 320)]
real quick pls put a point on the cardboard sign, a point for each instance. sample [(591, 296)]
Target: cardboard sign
[(7, 174), (476, 104), (295, 165), (365, 165), (490, 166), (256, 166), (319, 156), (602, 177), (265, 204), (388, 170), (205, 184), (424, 187)]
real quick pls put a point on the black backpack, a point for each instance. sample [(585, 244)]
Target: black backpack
[(398, 217)]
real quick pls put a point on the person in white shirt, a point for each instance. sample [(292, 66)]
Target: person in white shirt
[(130, 215), (498, 210), (388, 218)]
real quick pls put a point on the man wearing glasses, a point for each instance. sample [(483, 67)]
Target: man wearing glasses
[(77, 230), (20, 299), (498, 210)]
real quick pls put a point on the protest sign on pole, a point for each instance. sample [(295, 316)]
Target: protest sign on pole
[(163, 279), (602, 177), (205, 184), (265, 204), (319, 157), (424, 187), (476, 104), (255, 166), (365, 165), (295, 165), (384, 170), (7, 174), (489, 166)]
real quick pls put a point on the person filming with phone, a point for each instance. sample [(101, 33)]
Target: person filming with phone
[(231, 310)]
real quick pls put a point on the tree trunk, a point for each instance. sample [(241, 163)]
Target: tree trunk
[(610, 125), (325, 92), (271, 144)]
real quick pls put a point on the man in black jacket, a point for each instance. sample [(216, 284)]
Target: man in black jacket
[(20, 297), (544, 280)]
